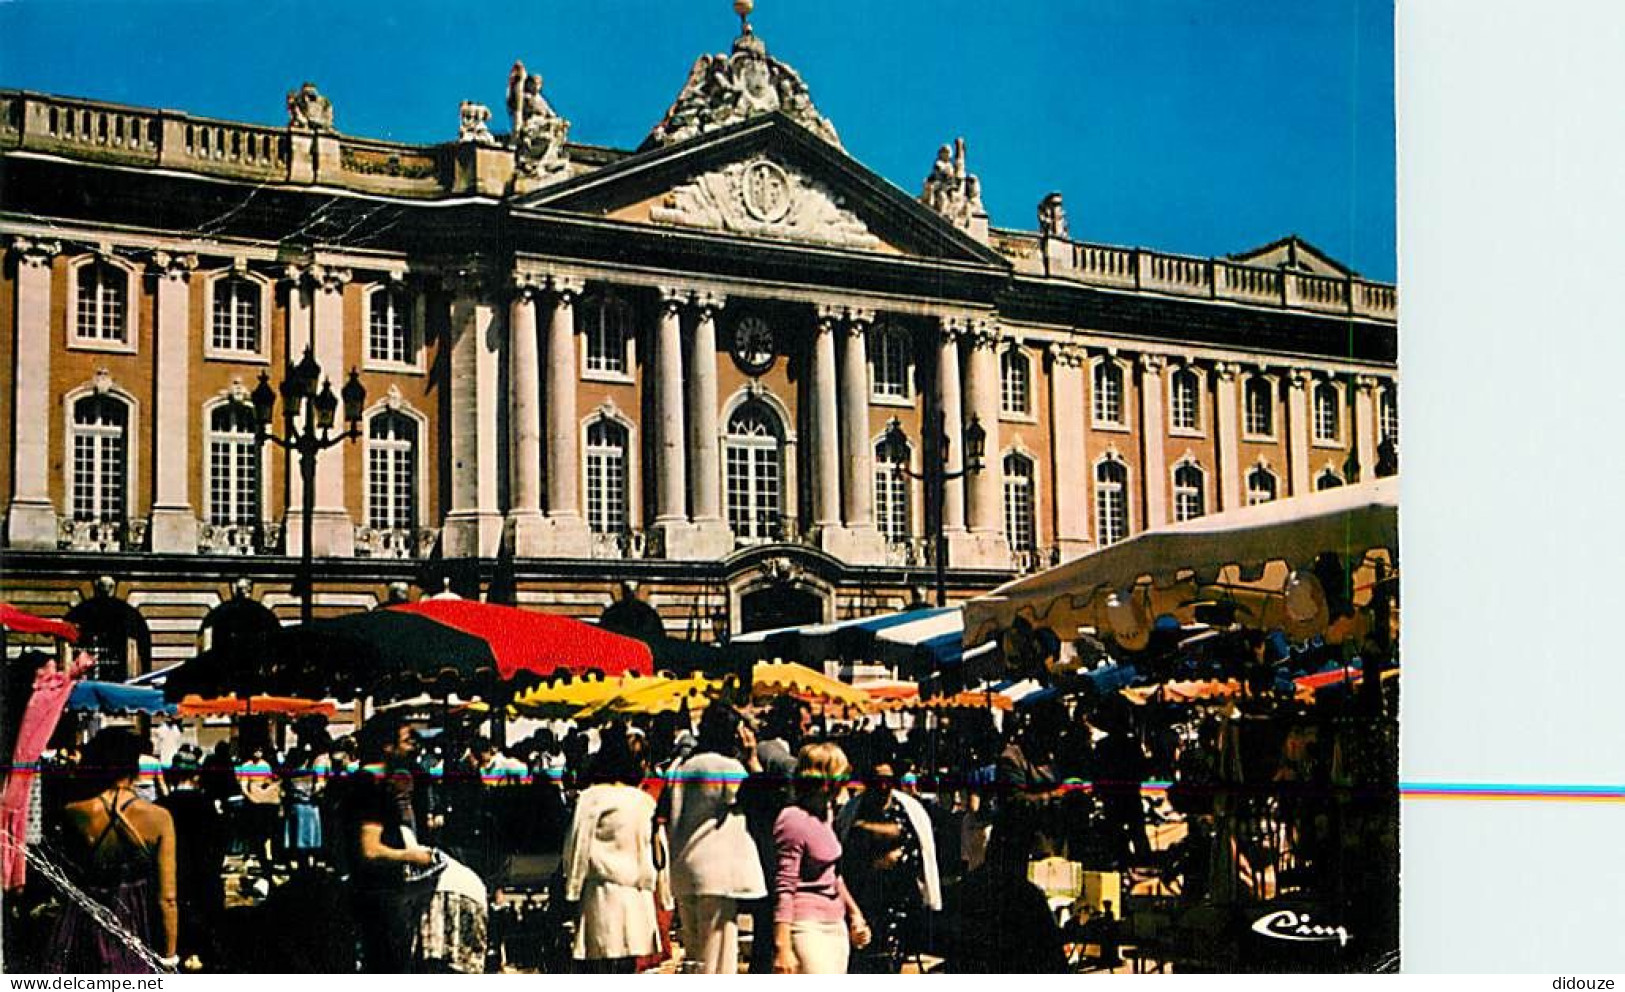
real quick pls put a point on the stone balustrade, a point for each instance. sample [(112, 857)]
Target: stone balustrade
[(398, 542), (1191, 276), (103, 535)]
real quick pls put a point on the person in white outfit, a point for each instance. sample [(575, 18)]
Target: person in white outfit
[(609, 864), (714, 860)]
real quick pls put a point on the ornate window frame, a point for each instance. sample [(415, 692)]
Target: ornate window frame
[(1125, 376), (239, 396), (786, 452), (1261, 465), (1019, 450), (211, 281), (1028, 414), (1188, 461), (1272, 387), (634, 464), (1199, 398), (133, 298), (1113, 456), (101, 385), (886, 328), (1388, 398), (393, 403), (911, 515), (1327, 471), (1340, 390), (418, 311), (599, 301)]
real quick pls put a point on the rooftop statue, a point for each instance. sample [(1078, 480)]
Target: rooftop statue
[(950, 190), (1052, 217), (474, 125), (539, 134), (308, 109), (726, 89)]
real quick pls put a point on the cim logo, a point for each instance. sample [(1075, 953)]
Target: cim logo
[(1284, 924)]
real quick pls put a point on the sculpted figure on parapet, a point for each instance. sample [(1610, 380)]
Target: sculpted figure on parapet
[(727, 89), (1052, 217), (308, 109), (474, 125), (539, 134), (950, 189)]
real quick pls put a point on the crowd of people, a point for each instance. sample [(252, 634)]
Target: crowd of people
[(772, 839)]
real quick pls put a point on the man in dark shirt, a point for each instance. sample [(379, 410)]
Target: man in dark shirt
[(998, 922), (200, 852), (375, 819)]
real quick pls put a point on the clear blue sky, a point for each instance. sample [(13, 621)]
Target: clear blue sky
[(1193, 126)]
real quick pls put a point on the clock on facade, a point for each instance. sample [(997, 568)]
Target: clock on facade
[(753, 344)]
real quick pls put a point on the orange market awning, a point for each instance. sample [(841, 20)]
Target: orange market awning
[(256, 705), (788, 678)]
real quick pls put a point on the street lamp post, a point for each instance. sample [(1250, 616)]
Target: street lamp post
[(936, 478), (317, 409)]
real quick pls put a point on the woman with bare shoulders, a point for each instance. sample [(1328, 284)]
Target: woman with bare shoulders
[(123, 851)]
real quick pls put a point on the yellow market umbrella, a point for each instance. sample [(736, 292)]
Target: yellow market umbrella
[(664, 696), (779, 678), (566, 698)]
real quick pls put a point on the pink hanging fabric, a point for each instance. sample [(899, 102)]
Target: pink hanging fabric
[(51, 689)]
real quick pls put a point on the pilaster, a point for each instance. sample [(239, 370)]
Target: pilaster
[(671, 523), (174, 527), (1153, 466), (826, 450), (525, 417), (565, 534), (1297, 428), (1230, 468), (712, 537), (473, 526), (1069, 455), (333, 535), (31, 520), (1365, 425), (987, 545)]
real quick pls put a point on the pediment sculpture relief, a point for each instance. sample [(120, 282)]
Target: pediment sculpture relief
[(762, 198)]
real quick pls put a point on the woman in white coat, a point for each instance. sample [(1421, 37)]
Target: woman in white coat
[(609, 862), (714, 861)]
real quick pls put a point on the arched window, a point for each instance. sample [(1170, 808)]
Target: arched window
[(1185, 400), (102, 302), (389, 327), (115, 634), (392, 454), (100, 453), (890, 360), (606, 476), (1190, 492), (1261, 486), (1019, 524), (606, 328), (1015, 382), (1108, 388), (891, 488), (1327, 429), (1259, 406), (1327, 479), (755, 470), (234, 466), (236, 320), (1111, 502), (1388, 415)]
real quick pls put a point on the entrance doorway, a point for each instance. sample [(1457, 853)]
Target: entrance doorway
[(779, 606)]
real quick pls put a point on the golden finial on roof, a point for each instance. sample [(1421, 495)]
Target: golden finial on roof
[(743, 9)]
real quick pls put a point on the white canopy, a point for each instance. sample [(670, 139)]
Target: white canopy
[(1348, 520)]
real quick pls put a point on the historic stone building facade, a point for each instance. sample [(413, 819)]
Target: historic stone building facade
[(676, 365)]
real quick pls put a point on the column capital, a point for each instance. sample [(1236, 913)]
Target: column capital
[(1066, 354), (35, 253), (1151, 364), (1226, 371), (829, 317), (1300, 378), (983, 333), (1367, 384), (174, 266), (331, 278), (707, 304), (860, 317), (674, 298), (954, 327), (527, 286)]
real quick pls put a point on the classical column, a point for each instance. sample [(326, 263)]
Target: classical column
[(704, 433), (826, 451), (1229, 439), (334, 532), (31, 520), (985, 511), (524, 417), (296, 339), (671, 508), (1069, 478), (174, 519), (473, 526), (858, 498), (567, 527), (948, 401), (1153, 467), (1365, 425), (1297, 428)]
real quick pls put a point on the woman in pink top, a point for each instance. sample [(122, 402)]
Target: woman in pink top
[(815, 921)]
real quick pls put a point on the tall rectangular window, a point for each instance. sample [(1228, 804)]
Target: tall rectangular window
[(389, 327), (236, 320), (890, 360), (391, 472), (100, 426), (1019, 525), (608, 327), (101, 302), (1015, 382), (234, 467), (1108, 392), (606, 477), (1111, 502)]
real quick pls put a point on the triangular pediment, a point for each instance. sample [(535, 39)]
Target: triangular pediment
[(1294, 253), (767, 179)]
